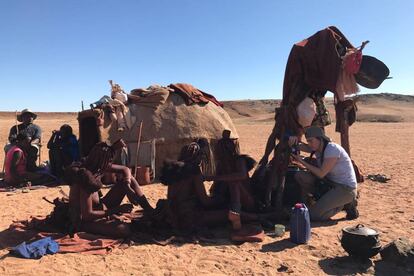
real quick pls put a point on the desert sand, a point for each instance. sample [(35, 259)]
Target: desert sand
[(377, 147)]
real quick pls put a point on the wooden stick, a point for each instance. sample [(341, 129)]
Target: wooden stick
[(137, 151), (345, 133), (40, 154)]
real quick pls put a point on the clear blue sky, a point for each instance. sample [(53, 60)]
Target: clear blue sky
[(55, 53)]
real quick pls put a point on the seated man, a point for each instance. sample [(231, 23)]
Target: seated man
[(32, 131), (16, 164), (63, 149), (93, 214)]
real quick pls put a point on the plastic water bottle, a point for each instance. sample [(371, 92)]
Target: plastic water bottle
[(300, 229)]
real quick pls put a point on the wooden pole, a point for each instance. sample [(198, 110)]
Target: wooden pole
[(137, 151), (345, 133)]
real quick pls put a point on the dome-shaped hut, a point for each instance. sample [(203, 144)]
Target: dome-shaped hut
[(165, 129)]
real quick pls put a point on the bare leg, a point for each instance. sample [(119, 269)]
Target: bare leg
[(235, 220), (270, 187), (115, 196), (235, 205), (135, 186), (31, 159), (137, 196), (246, 199)]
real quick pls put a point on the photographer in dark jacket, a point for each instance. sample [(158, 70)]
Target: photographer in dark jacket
[(63, 149)]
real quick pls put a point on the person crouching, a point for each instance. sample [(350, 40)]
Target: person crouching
[(335, 168)]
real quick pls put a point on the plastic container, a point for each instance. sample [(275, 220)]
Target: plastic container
[(300, 229), (279, 230), (143, 175)]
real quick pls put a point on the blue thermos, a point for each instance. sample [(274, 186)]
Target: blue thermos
[(300, 229)]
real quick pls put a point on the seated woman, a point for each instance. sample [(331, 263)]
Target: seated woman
[(15, 168), (232, 181), (189, 204), (63, 149), (335, 167), (93, 214)]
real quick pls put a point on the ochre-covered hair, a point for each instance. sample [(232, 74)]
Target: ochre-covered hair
[(83, 177), (99, 158)]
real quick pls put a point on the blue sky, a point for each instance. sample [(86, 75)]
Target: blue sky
[(55, 53)]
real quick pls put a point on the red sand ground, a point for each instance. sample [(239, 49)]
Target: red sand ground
[(376, 147)]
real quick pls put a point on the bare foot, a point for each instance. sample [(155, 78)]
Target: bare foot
[(235, 220)]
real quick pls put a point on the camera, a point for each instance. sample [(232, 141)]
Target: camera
[(295, 149)]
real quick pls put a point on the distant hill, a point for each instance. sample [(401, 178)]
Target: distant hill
[(383, 107)]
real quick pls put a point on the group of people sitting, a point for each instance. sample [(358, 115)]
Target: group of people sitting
[(22, 152), (190, 205)]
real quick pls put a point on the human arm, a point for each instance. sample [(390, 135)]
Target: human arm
[(51, 142), (35, 141), (12, 134), (240, 174), (37, 135), (129, 183), (294, 140), (270, 145), (327, 166), (124, 171), (89, 214), (304, 147)]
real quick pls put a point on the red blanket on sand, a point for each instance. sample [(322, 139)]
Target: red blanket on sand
[(82, 242)]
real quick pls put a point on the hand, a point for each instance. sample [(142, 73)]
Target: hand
[(298, 158), (120, 217), (293, 140)]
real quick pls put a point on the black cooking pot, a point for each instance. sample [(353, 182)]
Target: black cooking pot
[(360, 241), (372, 72)]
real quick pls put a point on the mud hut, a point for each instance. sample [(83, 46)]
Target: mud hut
[(166, 126)]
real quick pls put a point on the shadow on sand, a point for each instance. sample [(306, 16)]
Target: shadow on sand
[(345, 265), (317, 224), (11, 237), (278, 246)]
